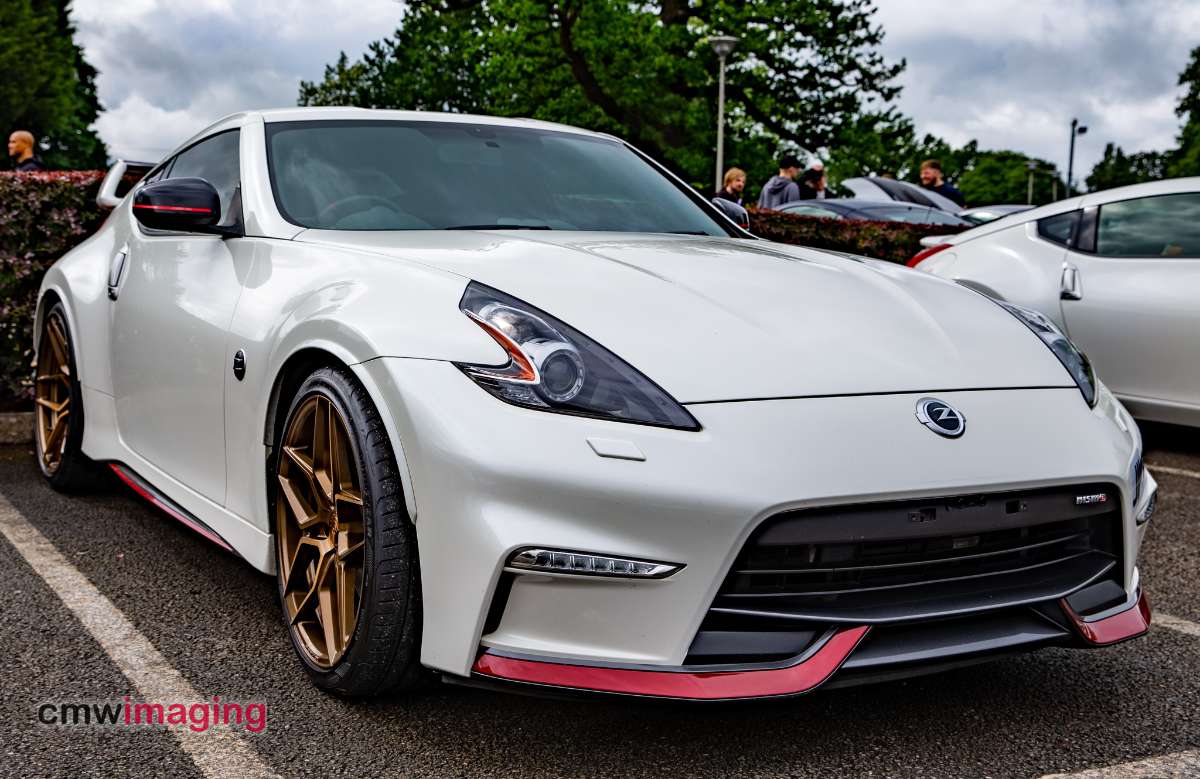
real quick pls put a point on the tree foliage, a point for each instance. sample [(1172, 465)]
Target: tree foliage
[(48, 87), (807, 73), (1185, 161), (1118, 169)]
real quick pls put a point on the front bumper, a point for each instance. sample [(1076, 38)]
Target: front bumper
[(488, 479), (843, 648)]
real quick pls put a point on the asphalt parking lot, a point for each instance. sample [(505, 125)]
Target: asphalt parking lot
[(216, 622)]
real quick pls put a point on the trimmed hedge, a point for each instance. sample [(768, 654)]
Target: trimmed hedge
[(42, 215), (892, 241)]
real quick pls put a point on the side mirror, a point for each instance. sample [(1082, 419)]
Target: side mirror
[(736, 214), (186, 205), (119, 180)]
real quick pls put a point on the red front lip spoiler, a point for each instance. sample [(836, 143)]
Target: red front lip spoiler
[(1130, 623), (800, 678), (714, 685)]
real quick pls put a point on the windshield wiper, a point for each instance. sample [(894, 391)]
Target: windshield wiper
[(499, 227)]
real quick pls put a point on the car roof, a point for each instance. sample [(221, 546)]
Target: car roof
[(1164, 187), (326, 113), (334, 113), (999, 208), (849, 204), (896, 191)]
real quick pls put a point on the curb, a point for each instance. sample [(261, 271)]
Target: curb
[(16, 428)]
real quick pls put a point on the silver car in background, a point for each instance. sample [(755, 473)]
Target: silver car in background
[(1118, 270)]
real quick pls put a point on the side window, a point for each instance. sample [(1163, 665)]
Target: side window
[(216, 161), (1159, 226), (1058, 229)]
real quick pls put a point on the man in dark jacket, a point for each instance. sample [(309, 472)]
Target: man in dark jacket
[(782, 188), (735, 183), (932, 179), (20, 148)]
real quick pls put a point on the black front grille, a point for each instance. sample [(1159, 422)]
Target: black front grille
[(915, 560), (830, 568)]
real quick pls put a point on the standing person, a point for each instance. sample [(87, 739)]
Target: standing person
[(932, 179), (782, 188), (735, 184), (808, 184), (822, 180), (812, 185), (20, 148)]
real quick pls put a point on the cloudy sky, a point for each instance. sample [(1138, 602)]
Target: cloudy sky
[(1011, 73)]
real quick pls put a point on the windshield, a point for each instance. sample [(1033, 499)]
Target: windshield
[(413, 175)]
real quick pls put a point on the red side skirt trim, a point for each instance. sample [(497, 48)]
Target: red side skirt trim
[(167, 508)]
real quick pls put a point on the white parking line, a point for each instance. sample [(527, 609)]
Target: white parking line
[(1173, 471), (1178, 764), (1176, 623), (217, 752)]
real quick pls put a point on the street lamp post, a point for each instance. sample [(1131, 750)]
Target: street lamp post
[(1076, 129), (723, 45), (1032, 166)]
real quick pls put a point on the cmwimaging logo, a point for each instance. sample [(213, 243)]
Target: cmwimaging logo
[(127, 713)]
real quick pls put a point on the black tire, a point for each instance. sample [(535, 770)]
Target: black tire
[(73, 471), (383, 654)]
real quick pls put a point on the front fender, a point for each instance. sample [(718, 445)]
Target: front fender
[(79, 280), (353, 306)]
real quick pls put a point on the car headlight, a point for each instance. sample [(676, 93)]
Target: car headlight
[(554, 367), (1075, 361)]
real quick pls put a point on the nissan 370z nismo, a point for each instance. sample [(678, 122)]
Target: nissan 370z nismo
[(506, 402)]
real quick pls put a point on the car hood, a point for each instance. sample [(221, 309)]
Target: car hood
[(715, 319)]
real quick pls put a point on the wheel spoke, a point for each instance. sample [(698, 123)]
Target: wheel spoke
[(291, 581), (327, 616), (299, 459), (321, 450), (318, 572), (301, 513), (55, 407), (57, 436), (345, 602), (58, 343), (344, 546)]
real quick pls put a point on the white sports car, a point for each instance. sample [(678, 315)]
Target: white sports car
[(506, 402), (1118, 271)]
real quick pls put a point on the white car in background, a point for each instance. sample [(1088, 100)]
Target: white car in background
[(570, 427), (1118, 271)]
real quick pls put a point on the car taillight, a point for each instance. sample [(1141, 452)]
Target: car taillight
[(925, 254)]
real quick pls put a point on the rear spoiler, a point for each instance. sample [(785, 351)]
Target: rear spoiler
[(120, 179)]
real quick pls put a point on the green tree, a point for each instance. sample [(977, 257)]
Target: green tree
[(985, 176), (1185, 161), (74, 145), (1118, 169), (807, 74), (48, 87)]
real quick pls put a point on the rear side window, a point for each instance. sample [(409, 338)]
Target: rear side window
[(1058, 229), (217, 161), (1159, 226)]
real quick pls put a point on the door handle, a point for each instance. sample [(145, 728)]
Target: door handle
[(115, 270), (1070, 287)]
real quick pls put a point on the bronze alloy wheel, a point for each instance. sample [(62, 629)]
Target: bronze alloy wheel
[(52, 392), (319, 524)]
